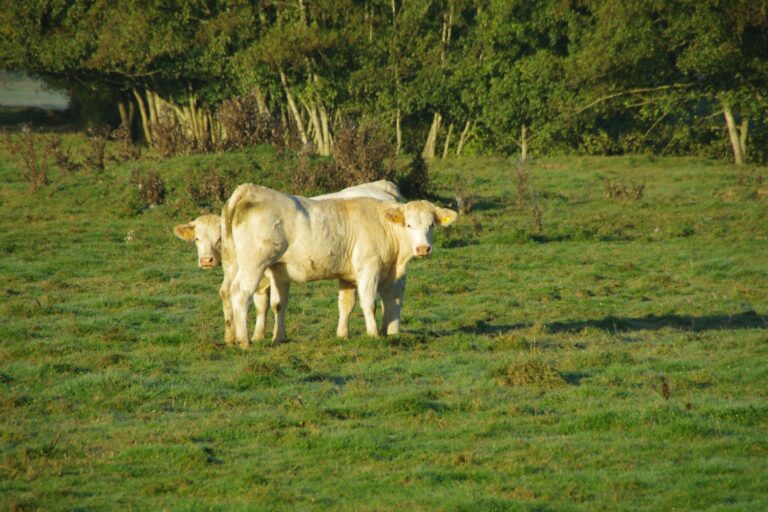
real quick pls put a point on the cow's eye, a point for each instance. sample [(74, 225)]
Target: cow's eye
[(408, 226), (197, 239)]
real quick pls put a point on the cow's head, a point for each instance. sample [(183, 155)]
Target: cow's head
[(419, 219), (206, 232)]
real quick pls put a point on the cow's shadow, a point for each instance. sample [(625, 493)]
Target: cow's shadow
[(615, 324)]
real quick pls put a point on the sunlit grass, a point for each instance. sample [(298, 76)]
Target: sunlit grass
[(615, 360)]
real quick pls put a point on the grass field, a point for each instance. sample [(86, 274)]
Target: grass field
[(614, 357)]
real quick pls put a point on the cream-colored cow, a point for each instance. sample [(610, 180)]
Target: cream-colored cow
[(206, 233), (364, 243)]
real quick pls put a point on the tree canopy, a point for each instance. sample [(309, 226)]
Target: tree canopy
[(445, 76)]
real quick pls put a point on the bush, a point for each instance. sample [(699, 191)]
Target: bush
[(62, 156), (415, 183), (244, 125), (149, 186), (310, 177), (125, 149), (209, 188), (362, 153), (97, 147), (35, 170), (168, 136)]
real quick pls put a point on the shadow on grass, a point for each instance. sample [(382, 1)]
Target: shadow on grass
[(744, 320), (479, 203)]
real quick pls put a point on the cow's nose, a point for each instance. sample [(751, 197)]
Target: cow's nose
[(423, 250), (206, 261)]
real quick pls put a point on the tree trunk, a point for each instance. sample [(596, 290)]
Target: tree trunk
[(463, 137), (523, 144), (153, 107), (326, 127), (261, 102), (144, 117), (743, 138), (314, 125), (429, 146), (733, 134), (447, 144), (398, 132), (127, 111), (294, 110)]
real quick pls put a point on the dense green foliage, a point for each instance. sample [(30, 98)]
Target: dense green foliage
[(611, 356), (598, 77)]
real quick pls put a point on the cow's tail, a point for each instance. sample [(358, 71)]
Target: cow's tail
[(242, 192)]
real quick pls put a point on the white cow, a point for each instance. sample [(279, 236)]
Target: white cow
[(206, 232), (364, 243)]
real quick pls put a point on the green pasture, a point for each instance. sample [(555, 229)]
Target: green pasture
[(611, 355)]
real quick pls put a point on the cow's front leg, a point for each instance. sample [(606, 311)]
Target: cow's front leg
[(392, 302), (242, 289), (346, 304), (367, 286), (279, 292)]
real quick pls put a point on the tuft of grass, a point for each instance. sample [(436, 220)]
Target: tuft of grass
[(531, 372)]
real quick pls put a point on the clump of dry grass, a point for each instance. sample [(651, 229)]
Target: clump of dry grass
[(527, 373), (623, 191)]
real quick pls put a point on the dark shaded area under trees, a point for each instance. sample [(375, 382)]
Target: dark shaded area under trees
[(441, 77)]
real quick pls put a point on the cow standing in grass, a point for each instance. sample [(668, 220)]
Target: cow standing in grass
[(206, 233), (364, 243)]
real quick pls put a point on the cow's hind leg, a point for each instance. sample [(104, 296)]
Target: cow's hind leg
[(279, 291), (226, 306), (242, 290), (346, 303), (367, 285), (261, 304)]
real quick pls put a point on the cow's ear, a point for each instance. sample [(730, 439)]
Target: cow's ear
[(185, 231), (445, 216), (395, 215)]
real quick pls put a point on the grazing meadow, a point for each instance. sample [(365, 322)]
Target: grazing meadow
[(591, 334)]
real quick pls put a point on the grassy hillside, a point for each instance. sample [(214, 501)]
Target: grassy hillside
[(603, 354)]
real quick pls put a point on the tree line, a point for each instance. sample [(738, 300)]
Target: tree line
[(443, 77)]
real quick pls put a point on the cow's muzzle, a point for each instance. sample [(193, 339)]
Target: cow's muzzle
[(206, 262), (423, 250)]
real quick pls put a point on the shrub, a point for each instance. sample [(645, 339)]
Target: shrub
[(522, 179), (209, 188), (362, 153), (168, 136), (97, 146), (125, 148), (415, 183), (35, 171), (310, 177), (62, 156), (244, 125), (150, 187), (464, 202), (538, 222)]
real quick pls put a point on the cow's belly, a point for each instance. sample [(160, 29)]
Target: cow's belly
[(308, 270)]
